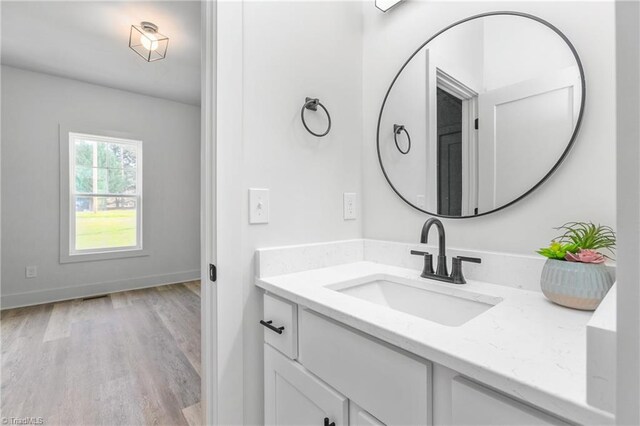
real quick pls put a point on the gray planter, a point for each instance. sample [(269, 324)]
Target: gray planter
[(575, 285)]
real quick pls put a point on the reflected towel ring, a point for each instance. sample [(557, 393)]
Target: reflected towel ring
[(313, 104), (397, 129)]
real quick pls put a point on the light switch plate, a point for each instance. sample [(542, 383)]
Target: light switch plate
[(31, 271), (258, 205), (349, 205)]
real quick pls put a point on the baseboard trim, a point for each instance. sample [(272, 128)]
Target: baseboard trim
[(8, 301)]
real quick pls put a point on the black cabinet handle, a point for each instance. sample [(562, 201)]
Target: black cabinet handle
[(272, 328), (326, 422)]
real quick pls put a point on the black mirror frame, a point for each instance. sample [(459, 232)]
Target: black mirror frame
[(562, 157)]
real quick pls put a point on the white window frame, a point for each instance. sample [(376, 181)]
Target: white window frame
[(68, 252)]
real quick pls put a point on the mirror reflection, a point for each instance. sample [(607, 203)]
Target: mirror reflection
[(480, 115)]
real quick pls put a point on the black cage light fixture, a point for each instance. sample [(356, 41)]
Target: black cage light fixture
[(147, 42)]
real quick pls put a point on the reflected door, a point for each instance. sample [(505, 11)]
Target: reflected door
[(449, 111)]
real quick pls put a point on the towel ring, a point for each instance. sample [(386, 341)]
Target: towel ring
[(313, 104), (397, 129)]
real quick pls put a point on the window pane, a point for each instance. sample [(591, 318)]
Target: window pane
[(103, 154), (115, 156), (84, 179), (129, 156), (106, 222), (122, 181), (103, 180), (84, 153)]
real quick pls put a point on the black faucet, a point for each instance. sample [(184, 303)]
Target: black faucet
[(441, 273), (441, 269)]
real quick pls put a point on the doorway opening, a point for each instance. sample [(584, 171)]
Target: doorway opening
[(456, 137)]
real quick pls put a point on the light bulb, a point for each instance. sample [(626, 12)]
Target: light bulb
[(149, 41)]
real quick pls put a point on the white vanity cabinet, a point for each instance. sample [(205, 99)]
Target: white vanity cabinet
[(323, 372), (337, 368)]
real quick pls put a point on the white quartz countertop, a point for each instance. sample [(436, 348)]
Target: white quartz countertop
[(524, 346)]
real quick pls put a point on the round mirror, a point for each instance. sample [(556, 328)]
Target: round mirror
[(481, 115)]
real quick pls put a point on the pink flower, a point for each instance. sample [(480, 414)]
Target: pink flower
[(585, 256)]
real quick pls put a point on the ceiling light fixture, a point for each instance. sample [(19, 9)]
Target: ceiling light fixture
[(146, 41)]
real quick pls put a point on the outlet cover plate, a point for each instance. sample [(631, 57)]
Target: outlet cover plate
[(31, 271), (349, 206)]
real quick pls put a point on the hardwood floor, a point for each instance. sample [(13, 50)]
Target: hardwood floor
[(130, 358)]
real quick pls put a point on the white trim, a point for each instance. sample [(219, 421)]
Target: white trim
[(229, 224), (453, 86), (210, 388), (103, 255), (17, 300)]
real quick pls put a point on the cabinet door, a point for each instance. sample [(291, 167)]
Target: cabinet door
[(293, 396), (359, 417), (477, 405)]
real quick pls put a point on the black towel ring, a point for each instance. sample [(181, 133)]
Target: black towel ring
[(397, 129), (313, 104)]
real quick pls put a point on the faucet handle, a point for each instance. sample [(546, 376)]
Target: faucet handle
[(469, 259), (427, 268), (456, 268)]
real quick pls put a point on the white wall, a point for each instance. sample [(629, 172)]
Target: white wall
[(33, 105), (293, 50), (390, 38)]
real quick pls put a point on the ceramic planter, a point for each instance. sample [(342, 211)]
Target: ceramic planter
[(575, 285)]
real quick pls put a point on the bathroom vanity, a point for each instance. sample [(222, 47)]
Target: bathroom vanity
[(353, 335), (364, 333)]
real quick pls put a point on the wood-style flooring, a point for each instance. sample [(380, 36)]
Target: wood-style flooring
[(130, 358)]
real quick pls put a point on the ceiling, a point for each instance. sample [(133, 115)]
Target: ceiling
[(89, 41)]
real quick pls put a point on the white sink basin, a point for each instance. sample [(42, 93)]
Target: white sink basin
[(446, 306)]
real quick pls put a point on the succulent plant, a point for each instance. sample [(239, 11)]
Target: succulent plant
[(580, 242), (585, 256)]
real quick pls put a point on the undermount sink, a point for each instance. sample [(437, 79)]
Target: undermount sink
[(450, 307)]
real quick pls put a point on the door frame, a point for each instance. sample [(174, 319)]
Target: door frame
[(208, 290), (222, 301), (438, 78), (469, 98)]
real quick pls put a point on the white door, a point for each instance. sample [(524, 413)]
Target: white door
[(360, 417), (295, 397), (523, 130)]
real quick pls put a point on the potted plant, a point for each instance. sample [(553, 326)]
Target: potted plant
[(575, 274)]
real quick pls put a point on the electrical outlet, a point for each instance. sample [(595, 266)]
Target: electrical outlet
[(258, 205), (349, 205), (31, 271)]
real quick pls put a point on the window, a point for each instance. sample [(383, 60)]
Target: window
[(105, 182)]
